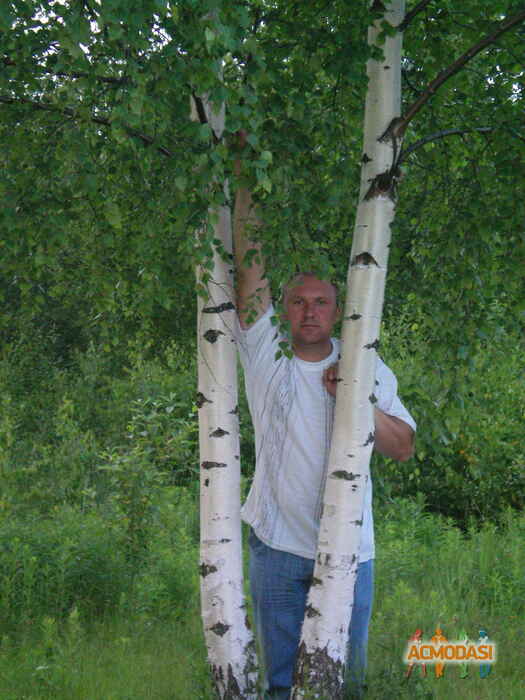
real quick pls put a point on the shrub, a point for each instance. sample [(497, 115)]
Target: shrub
[(48, 565), (167, 585), (470, 454)]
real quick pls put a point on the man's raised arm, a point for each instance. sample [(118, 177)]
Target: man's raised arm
[(252, 288)]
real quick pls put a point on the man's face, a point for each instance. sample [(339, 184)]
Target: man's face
[(311, 308)]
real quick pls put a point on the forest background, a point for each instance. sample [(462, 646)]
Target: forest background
[(104, 182)]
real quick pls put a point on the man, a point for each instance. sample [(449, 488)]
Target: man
[(292, 403)]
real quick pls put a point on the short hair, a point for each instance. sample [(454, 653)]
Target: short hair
[(308, 273)]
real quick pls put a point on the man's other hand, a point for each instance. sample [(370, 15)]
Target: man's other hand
[(393, 437), (330, 379)]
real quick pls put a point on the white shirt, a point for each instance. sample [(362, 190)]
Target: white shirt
[(292, 414)]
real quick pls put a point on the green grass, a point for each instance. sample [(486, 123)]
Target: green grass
[(116, 660), (430, 574), (427, 573)]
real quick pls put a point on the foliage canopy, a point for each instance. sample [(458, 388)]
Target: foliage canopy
[(104, 178)]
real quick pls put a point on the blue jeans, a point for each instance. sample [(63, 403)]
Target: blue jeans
[(279, 584)]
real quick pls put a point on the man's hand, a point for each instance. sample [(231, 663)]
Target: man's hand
[(330, 379), (393, 437)]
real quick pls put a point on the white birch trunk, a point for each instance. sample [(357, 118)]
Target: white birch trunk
[(320, 666), (230, 644)]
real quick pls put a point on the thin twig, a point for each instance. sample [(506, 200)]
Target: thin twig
[(66, 111), (411, 14), (111, 80), (440, 135), (454, 68), (404, 75)]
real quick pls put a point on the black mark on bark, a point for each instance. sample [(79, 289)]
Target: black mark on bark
[(372, 398), (200, 399), (342, 474), (370, 439), (205, 569), (392, 133), (356, 522), (366, 159), (319, 672), (382, 184), (353, 317), (211, 335), (364, 258), (310, 611), (232, 690), (213, 465), (227, 306), (224, 540), (373, 346), (201, 112), (378, 6), (235, 411), (220, 629), (316, 581), (219, 432), (206, 482)]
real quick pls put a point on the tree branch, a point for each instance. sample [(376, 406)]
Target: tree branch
[(516, 134), (101, 78), (404, 76), (455, 67), (61, 74), (411, 14), (147, 140), (440, 135)]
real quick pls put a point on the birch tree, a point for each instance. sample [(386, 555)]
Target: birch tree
[(322, 651), (230, 643)]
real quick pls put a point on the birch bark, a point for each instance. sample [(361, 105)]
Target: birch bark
[(230, 644), (320, 666)]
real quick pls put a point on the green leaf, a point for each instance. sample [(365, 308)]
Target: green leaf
[(113, 214), (6, 17), (265, 182)]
